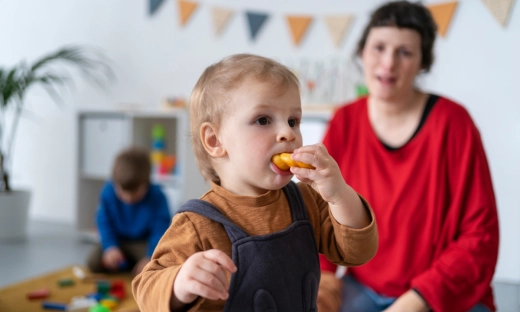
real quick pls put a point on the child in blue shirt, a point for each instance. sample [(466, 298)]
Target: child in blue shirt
[(132, 216)]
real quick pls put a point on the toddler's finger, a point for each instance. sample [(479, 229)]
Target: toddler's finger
[(198, 288), (220, 258), (215, 269), (209, 280)]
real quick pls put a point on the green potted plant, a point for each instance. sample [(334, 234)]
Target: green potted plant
[(15, 82)]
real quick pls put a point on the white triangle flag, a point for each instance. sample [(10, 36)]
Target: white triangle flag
[(338, 26), (500, 9), (221, 17)]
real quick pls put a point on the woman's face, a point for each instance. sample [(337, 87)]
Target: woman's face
[(391, 60)]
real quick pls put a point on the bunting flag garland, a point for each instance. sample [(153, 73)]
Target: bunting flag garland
[(299, 25), (256, 21), (338, 26), (186, 9), (442, 14), (221, 18), (500, 9), (154, 5)]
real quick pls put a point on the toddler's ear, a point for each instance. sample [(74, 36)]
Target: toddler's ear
[(212, 145)]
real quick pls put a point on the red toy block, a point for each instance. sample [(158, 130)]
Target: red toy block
[(39, 294), (118, 290)]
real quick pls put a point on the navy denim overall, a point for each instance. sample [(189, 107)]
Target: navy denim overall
[(276, 272)]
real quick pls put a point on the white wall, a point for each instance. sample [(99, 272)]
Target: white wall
[(477, 64)]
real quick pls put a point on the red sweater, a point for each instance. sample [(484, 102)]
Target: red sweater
[(434, 204)]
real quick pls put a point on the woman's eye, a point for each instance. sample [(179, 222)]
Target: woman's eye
[(262, 121), (379, 47), (404, 52)]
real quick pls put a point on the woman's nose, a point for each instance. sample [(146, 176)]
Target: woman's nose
[(388, 59)]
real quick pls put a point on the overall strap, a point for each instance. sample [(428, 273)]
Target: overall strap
[(295, 199), (211, 212)]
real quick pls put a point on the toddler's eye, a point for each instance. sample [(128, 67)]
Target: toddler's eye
[(292, 123), (262, 121)]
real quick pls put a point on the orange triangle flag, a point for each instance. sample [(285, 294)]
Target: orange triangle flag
[(186, 9), (221, 17), (338, 26), (442, 14), (500, 9), (299, 26)]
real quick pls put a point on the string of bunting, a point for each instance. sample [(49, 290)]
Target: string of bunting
[(337, 25)]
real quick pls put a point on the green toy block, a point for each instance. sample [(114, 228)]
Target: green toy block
[(158, 132), (103, 287), (98, 308), (65, 282)]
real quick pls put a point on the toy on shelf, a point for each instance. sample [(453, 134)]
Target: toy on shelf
[(162, 163), (173, 102)]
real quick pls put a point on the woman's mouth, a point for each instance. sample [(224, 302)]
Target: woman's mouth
[(386, 80)]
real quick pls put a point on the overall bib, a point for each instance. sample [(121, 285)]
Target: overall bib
[(276, 272)]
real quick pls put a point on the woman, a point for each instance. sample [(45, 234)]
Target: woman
[(419, 160)]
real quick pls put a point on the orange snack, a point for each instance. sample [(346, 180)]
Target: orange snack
[(284, 162)]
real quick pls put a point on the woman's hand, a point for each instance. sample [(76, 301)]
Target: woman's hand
[(410, 301)]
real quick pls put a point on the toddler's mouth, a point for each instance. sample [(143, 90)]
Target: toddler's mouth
[(280, 171)]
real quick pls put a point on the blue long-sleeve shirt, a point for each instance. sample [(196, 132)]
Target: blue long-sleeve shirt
[(147, 219)]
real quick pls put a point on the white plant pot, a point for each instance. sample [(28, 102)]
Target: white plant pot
[(14, 212)]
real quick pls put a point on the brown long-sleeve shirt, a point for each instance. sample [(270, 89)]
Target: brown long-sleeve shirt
[(190, 233)]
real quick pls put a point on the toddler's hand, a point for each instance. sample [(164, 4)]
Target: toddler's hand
[(204, 274), (326, 179), (112, 258)]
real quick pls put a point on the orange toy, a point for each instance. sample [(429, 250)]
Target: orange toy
[(284, 162)]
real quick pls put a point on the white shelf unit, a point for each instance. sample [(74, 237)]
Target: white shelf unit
[(103, 134)]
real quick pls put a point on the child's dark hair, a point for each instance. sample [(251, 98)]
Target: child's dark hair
[(404, 14), (132, 168)]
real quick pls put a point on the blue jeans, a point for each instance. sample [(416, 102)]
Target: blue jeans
[(359, 298)]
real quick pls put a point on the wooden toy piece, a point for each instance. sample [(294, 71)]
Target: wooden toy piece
[(81, 304), (118, 290), (65, 282), (49, 305), (99, 308), (39, 294), (109, 303), (78, 272), (103, 287)]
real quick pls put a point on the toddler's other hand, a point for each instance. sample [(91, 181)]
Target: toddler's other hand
[(204, 274), (112, 258)]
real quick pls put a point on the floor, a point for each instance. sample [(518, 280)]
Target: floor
[(52, 246)]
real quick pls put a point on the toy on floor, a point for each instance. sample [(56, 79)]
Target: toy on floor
[(81, 304), (99, 308), (49, 305), (66, 282), (39, 294)]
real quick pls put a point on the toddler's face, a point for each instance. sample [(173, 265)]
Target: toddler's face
[(260, 121)]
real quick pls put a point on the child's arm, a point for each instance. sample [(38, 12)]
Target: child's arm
[(345, 204), (204, 274)]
